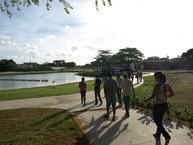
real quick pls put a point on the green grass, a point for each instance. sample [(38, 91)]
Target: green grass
[(181, 83), (39, 127), (43, 91)]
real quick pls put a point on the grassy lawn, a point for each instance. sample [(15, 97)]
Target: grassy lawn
[(38, 127), (43, 91), (181, 83)]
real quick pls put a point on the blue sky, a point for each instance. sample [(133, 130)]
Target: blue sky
[(155, 27)]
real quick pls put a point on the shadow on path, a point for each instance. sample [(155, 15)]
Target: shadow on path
[(105, 133)]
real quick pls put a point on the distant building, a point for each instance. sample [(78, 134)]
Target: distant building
[(59, 62), (27, 65), (165, 64)]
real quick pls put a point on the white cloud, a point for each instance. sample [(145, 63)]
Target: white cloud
[(49, 37), (6, 40)]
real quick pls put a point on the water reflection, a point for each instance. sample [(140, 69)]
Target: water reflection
[(51, 79)]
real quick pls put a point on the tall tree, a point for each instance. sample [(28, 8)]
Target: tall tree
[(127, 56), (7, 65), (188, 57), (103, 58), (6, 5)]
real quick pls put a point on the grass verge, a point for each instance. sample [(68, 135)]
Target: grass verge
[(39, 126)]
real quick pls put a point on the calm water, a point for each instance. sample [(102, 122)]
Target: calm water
[(9, 82)]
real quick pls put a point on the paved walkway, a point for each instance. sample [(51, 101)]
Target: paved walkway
[(135, 130)]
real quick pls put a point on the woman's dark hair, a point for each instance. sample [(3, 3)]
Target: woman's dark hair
[(109, 75), (83, 79), (125, 76), (160, 76)]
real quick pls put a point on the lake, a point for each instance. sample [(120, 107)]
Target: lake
[(8, 82)]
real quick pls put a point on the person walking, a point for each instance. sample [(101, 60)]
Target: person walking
[(111, 89), (132, 76), (97, 89), (128, 88), (161, 92), (82, 86), (140, 74), (104, 83), (119, 81)]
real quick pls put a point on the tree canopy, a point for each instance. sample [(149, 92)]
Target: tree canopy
[(7, 5), (103, 58), (7, 65), (128, 55), (125, 56), (188, 56)]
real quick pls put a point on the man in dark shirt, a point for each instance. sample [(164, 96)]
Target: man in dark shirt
[(97, 90)]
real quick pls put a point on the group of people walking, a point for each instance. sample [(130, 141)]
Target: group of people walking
[(112, 88), (118, 86)]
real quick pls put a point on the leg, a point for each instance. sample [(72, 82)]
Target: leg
[(81, 94), (107, 108), (84, 99), (99, 95), (96, 100), (127, 101), (158, 114), (113, 101), (119, 95)]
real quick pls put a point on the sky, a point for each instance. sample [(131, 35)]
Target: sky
[(155, 27)]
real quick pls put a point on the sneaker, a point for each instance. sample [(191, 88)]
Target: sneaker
[(106, 116), (95, 103), (127, 114), (155, 136), (113, 119), (167, 141)]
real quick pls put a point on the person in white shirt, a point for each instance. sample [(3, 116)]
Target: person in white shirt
[(127, 87), (119, 81)]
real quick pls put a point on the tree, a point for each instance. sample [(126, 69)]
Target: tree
[(153, 58), (6, 5), (103, 58), (188, 57), (70, 64), (127, 55), (7, 65)]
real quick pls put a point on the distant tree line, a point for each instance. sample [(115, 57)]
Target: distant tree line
[(61, 63), (10, 65), (186, 58)]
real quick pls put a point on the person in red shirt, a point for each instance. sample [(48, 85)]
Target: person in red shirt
[(82, 86)]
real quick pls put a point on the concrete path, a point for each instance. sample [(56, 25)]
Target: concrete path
[(135, 130)]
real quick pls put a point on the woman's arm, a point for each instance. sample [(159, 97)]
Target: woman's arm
[(170, 92), (133, 90), (153, 94)]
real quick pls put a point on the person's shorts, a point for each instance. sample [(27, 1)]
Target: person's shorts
[(111, 100)]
